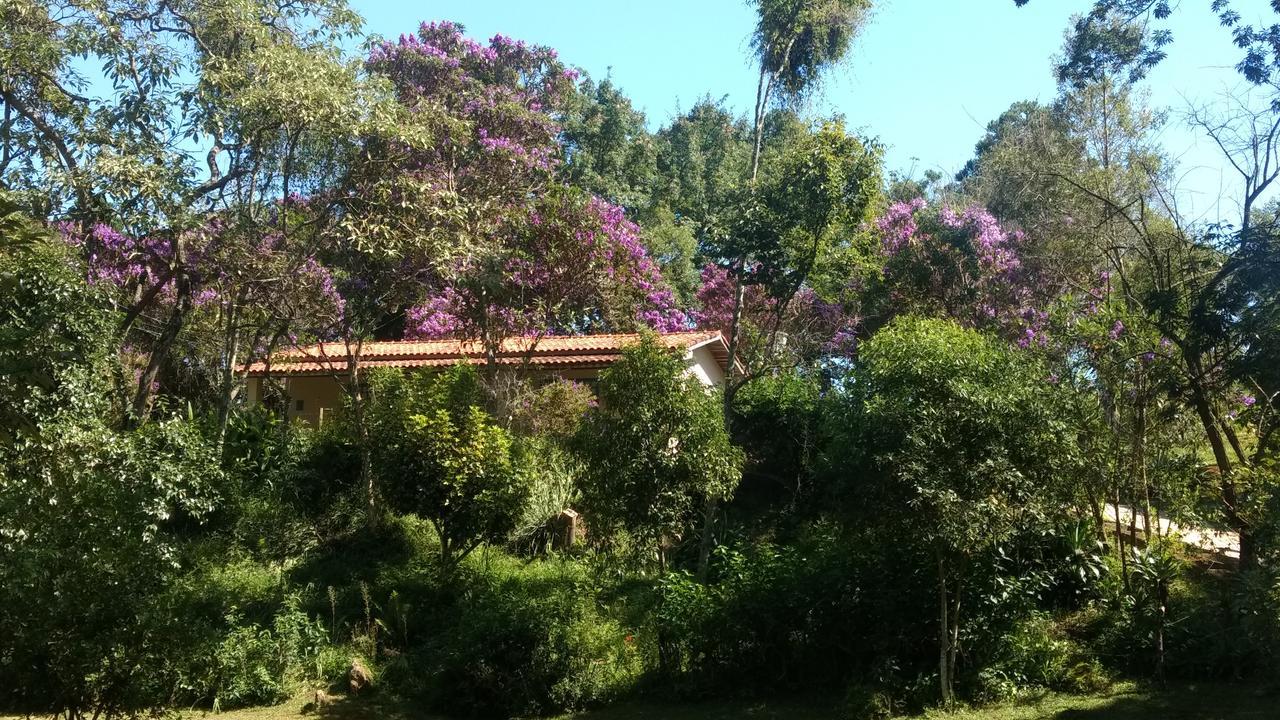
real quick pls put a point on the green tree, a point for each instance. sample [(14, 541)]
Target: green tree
[(88, 515), (963, 440), (795, 42), (701, 155), (216, 111), (1128, 34), (654, 449), (609, 151), (55, 335), (798, 226), (443, 458)]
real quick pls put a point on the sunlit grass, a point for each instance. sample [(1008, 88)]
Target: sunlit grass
[(1125, 702)]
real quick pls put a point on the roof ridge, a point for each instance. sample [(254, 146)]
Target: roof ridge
[(549, 350), (460, 341)]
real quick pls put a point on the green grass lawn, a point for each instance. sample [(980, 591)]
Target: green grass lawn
[(1197, 702)]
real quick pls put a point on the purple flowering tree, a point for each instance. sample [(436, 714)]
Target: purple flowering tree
[(465, 231), (247, 289), (961, 265), (489, 110), (524, 254), (575, 265)]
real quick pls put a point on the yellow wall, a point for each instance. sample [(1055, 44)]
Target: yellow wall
[(318, 395), (321, 397)]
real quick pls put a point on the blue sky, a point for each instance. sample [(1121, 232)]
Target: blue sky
[(925, 77)]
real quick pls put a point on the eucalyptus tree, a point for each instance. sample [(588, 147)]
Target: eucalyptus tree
[(795, 42)]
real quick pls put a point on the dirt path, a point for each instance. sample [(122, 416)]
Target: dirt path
[(1222, 543)]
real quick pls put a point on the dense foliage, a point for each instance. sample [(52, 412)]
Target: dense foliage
[(653, 447)]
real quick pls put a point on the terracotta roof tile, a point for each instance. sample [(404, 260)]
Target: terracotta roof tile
[(567, 351)]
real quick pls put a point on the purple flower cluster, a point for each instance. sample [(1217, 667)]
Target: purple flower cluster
[(572, 267), (828, 327), (963, 265), (544, 157), (631, 268), (119, 259), (566, 266), (438, 317), (898, 226)]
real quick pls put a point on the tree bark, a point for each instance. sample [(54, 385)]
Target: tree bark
[(227, 396), (182, 287), (1162, 600), (362, 433), (1124, 559), (1226, 484), (1095, 507), (944, 635), (712, 504)]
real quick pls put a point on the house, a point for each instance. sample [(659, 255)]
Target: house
[(311, 374)]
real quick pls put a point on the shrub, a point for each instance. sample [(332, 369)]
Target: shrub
[(776, 422), (443, 458), (89, 544), (550, 473), (1034, 654), (774, 618), (553, 411), (654, 449), (256, 664), (529, 638), (289, 487), (865, 703)]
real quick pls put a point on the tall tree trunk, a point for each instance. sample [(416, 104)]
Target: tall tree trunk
[(1124, 559), (944, 635), (764, 90), (1204, 412), (1133, 521), (362, 431), (1140, 457), (228, 389), (953, 645), (177, 317), (1095, 507), (1242, 458), (1162, 605), (707, 541)]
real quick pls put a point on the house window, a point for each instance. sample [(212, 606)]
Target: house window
[(297, 406)]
